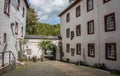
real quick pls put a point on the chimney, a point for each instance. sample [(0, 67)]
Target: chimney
[(71, 1)]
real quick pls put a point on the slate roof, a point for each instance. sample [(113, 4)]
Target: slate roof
[(43, 37)]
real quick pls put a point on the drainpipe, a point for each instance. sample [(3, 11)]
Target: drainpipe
[(2, 59), (98, 28)]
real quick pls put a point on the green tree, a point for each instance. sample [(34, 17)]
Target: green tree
[(48, 29), (33, 27), (46, 45), (32, 22)]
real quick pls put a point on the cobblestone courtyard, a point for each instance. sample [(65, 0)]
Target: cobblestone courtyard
[(55, 68)]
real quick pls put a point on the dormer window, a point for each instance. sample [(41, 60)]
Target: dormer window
[(18, 4), (7, 7), (89, 5)]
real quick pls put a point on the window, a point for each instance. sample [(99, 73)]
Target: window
[(91, 27), (5, 38), (78, 49), (7, 7), (110, 22), (89, 5), (26, 46), (21, 31), (72, 35), (72, 51), (16, 28), (68, 17), (68, 33), (68, 48), (111, 51), (18, 4), (78, 11), (104, 1), (78, 30), (91, 50), (23, 12)]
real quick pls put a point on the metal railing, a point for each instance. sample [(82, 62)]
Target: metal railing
[(7, 57)]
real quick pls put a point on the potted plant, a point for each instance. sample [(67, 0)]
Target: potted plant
[(34, 58)]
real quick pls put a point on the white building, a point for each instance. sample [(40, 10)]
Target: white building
[(92, 32), (12, 27), (32, 45)]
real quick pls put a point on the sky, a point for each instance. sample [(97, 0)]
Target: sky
[(48, 10)]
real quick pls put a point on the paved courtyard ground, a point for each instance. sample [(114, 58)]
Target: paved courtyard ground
[(55, 68)]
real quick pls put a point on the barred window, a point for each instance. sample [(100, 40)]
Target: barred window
[(111, 51), (89, 5)]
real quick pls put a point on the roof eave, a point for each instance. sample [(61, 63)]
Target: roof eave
[(73, 4), (42, 37), (27, 5)]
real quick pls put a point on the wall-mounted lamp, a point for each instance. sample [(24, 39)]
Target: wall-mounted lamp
[(12, 24)]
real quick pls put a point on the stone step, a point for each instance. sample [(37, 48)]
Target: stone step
[(5, 69)]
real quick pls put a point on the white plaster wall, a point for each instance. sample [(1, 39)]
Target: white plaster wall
[(109, 37), (33, 45), (99, 38), (36, 51), (84, 39), (5, 25)]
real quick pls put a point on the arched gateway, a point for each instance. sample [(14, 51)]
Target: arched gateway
[(32, 42)]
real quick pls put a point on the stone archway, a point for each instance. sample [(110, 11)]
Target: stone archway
[(51, 54)]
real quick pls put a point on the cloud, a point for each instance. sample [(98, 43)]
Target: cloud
[(48, 10)]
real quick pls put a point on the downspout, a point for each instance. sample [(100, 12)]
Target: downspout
[(98, 29)]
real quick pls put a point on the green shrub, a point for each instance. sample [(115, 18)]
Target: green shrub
[(34, 58), (81, 63), (23, 58), (115, 72), (77, 63), (100, 66)]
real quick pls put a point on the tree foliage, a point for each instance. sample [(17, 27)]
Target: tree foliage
[(47, 29), (31, 23), (36, 28), (46, 45)]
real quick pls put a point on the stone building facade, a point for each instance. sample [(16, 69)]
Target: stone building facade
[(12, 26), (92, 32)]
